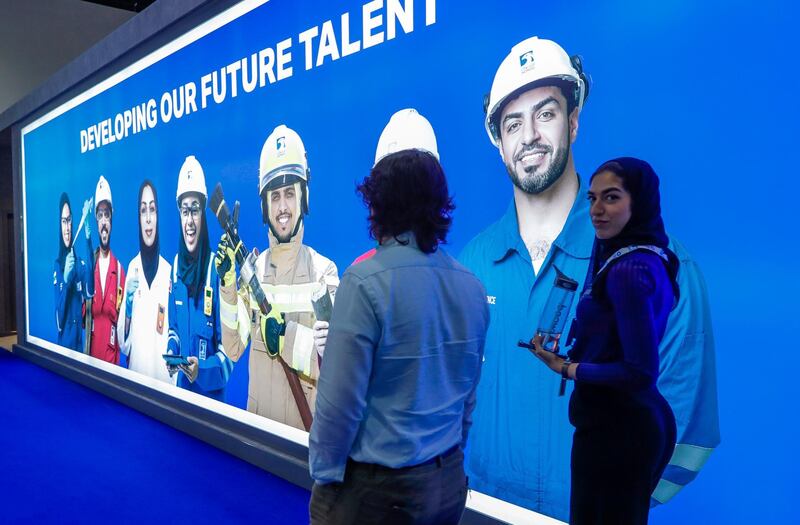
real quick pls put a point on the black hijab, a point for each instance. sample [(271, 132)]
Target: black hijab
[(63, 250), (192, 268), (149, 254), (645, 227)]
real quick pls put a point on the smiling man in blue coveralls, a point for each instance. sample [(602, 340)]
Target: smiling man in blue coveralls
[(194, 322), (519, 447)]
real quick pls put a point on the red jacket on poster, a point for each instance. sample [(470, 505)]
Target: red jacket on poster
[(105, 310)]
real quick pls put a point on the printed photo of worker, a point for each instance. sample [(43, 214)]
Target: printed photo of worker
[(72, 281), (285, 355), (143, 325), (108, 278), (520, 442), (194, 322)]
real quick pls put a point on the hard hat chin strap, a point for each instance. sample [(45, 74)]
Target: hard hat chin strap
[(292, 236)]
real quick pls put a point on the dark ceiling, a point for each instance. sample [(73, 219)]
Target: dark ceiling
[(128, 5)]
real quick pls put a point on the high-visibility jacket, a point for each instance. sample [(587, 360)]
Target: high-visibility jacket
[(290, 291)]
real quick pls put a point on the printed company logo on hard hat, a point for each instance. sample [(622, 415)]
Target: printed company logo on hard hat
[(280, 145), (526, 62)]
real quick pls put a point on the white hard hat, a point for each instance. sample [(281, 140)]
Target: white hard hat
[(102, 192), (531, 61), (191, 179), (406, 130), (283, 161), (283, 155)]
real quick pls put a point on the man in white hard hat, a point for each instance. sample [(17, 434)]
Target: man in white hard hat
[(521, 440), (195, 333), (404, 353), (285, 355), (109, 279)]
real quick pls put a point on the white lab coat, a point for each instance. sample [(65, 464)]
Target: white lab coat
[(144, 344)]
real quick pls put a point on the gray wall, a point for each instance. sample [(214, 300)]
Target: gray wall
[(7, 295), (37, 38)]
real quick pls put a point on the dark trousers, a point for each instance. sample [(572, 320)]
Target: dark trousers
[(433, 493), (618, 460)]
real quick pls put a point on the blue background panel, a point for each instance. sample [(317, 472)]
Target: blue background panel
[(702, 90)]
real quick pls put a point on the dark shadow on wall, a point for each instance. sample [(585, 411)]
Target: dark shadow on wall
[(8, 323)]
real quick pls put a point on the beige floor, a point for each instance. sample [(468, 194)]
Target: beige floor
[(6, 342)]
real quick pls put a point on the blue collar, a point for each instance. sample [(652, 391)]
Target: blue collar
[(575, 239)]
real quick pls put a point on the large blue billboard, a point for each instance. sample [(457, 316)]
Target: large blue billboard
[(666, 86)]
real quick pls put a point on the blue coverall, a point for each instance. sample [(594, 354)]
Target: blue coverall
[(519, 445), (69, 298), (194, 333)]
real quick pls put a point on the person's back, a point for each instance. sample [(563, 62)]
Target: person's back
[(433, 316), (405, 346)]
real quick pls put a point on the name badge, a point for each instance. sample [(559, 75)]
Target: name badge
[(202, 350), (208, 297), (113, 339), (119, 297), (160, 320)]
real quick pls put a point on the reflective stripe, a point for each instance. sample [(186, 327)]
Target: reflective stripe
[(679, 475), (285, 308), (208, 270), (175, 269), (666, 490), (228, 314), (690, 457), (243, 328), (291, 297), (226, 365)]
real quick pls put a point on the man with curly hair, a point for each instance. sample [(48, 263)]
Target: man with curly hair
[(404, 351)]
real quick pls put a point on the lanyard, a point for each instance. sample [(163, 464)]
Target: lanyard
[(588, 290), (621, 252)]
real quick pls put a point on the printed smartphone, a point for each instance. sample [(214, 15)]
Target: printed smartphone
[(175, 360)]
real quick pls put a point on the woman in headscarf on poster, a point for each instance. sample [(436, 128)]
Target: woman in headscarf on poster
[(73, 282), (143, 323), (624, 428), (194, 315)]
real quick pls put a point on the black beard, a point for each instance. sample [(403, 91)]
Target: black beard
[(105, 246), (539, 183), (281, 238), (284, 238)]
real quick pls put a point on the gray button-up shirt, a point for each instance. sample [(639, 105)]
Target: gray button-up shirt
[(403, 357)]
